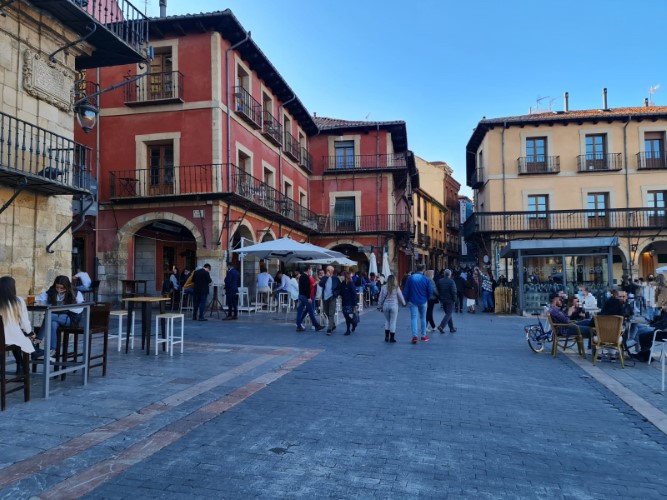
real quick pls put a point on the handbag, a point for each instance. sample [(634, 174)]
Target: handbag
[(355, 319)]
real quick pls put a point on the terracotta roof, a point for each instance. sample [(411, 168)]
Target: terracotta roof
[(324, 123), (582, 113)]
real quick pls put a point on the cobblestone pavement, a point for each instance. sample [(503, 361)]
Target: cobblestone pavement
[(255, 409)]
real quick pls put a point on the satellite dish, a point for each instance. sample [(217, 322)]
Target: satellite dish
[(486, 259)]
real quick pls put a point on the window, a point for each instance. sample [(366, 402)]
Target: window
[(243, 181), (267, 103), (161, 169), (303, 201), (537, 208), (288, 190), (598, 204), (344, 214), (160, 84), (596, 150), (536, 154), (654, 147), (344, 154), (242, 78), (656, 199), (268, 177)]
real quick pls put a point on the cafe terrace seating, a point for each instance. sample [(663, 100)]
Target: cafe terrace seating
[(608, 335), (566, 335), (23, 379)]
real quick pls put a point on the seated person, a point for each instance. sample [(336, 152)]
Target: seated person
[(557, 316), (373, 284), (60, 293), (188, 286), (84, 280), (283, 283), (264, 281), (589, 302), (575, 312), (643, 334), (613, 306)]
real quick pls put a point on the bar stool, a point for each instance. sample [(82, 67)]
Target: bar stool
[(121, 336), (170, 337), (187, 300), (260, 301)]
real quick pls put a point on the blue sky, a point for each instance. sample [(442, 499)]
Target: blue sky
[(441, 65)]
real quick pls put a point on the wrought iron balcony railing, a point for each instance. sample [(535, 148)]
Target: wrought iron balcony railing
[(306, 160), (291, 147), (272, 129), (539, 164), (393, 223), (48, 162), (580, 221), (215, 180), (162, 87), (247, 107), (652, 160), (596, 162), (363, 162), (120, 34)]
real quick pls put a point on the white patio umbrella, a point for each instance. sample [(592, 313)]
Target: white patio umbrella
[(372, 264), (341, 261), (386, 271), (287, 250), (661, 269)]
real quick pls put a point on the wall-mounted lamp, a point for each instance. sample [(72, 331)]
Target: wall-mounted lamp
[(86, 115)]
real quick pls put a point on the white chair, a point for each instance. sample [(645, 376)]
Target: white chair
[(262, 301), (657, 347), (170, 337), (244, 300), (122, 336)]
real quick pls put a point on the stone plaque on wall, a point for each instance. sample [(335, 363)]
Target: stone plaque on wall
[(46, 81)]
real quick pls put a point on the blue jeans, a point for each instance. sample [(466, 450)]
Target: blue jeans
[(56, 321), (487, 299), (417, 312), (200, 304), (308, 306)]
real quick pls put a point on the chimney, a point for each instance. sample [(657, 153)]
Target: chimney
[(566, 98), (646, 102), (163, 8), (604, 99)]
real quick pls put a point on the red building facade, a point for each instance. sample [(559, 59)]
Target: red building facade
[(213, 149)]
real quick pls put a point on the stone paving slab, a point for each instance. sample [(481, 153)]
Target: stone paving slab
[(255, 409)]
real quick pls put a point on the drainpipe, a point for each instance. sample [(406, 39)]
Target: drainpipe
[(627, 191), (97, 178), (378, 178), (229, 131), (502, 152)]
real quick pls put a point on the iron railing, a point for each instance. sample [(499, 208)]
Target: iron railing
[(121, 18), (291, 147), (389, 161), (652, 160), (367, 224), (167, 86), (272, 129), (596, 162), (26, 149), (306, 160), (539, 164), (477, 178), (247, 107), (566, 220), (212, 179)]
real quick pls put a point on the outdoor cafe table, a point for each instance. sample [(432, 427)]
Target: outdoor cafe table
[(146, 311), (52, 369)]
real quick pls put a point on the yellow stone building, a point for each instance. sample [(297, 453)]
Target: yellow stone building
[(570, 197)]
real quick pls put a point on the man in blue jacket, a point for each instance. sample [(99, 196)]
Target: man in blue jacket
[(416, 293)]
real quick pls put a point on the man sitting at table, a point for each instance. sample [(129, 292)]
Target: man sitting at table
[(84, 280), (264, 281), (589, 302), (283, 279), (642, 335), (558, 316)]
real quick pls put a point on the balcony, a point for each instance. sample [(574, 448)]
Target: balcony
[(291, 147), (477, 178), (42, 161), (120, 35), (598, 162), (272, 129), (380, 223), (159, 88), (247, 107), (338, 164), (560, 221), (538, 164), (652, 160), (306, 160), (208, 182)]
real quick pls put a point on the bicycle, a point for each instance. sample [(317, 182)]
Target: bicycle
[(538, 335)]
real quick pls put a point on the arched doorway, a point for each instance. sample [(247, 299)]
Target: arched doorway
[(159, 246), (352, 252)]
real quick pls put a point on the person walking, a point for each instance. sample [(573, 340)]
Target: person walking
[(330, 285), (232, 292), (201, 281), (448, 297), (432, 301), (487, 291), (460, 283), (390, 297), (349, 300), (416, 293), (306, 298), (470, 292)]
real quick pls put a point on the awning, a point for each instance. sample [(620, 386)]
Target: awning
[(558, 247)]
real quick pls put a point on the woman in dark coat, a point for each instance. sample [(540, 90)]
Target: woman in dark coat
[(349, 301)]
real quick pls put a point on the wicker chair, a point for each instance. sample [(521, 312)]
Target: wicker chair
[(608, 335), (566, 335)]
